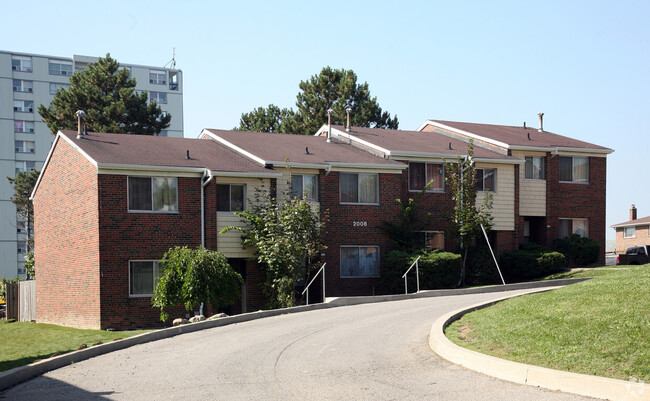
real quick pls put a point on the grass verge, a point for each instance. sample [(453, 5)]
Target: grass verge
[(24, 342), (578, 274), (598, 327)]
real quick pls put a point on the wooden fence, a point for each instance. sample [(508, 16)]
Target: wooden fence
[(21, 301)]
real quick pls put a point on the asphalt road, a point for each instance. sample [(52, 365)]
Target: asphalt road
[(365, 352)]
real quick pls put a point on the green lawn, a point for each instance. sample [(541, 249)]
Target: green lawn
[(578, 274), (24, 342), (598, 327)]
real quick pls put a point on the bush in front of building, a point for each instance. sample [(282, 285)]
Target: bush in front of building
[(481, 269), (437, 270), (579, 251), (530, 262)]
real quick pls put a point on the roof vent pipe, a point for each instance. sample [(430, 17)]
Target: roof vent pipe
[(80, 123), (541, 121), (528, 135), (348, 110), (187, 154), (306, 150), (450, 146), (329, 125), (524, 124)]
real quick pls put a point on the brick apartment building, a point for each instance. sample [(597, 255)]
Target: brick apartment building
[(114, 204)]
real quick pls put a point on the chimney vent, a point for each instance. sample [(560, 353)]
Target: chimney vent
[(329, 125), (541, 121), (81, 125), (348, 110), (633, 213), (450, 148), (187, 154), (306, 150), (524, 124), (528, 136)]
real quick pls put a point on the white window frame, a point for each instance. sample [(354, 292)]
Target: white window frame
[(21, 165), (20, 146), (55, 86), (542, 170), (494, 190), (155, 77), (303, 186), (573, 166), (427, 180), (627, 235), (230, 185), (359, 189), (28, 126), (128, 197), (25, 64), (360, 246), (64, 72), (157, 272), (22, 106), (160, 97), (23, 85)]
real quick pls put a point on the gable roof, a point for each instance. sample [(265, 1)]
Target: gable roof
[(512, 137), (644, 221), (155, 152), (405, 144), (299, 150)]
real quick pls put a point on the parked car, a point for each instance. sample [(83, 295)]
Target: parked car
[(634, 255)]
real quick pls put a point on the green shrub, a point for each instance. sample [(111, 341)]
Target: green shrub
[(480, 267), (526, 264), (579, 251), (439, 270), (393, 266)]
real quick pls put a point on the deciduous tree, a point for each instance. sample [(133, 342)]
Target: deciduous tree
[(107, 95)]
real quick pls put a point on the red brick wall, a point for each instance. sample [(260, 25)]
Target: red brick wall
[(576, 200), (67, 248), (128, 236)]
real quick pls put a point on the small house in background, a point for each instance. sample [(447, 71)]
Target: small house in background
[(632, 232)]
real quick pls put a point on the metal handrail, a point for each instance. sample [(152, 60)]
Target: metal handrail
[(312, 280), (417, 276)]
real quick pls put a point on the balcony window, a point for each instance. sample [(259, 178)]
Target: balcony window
[(230, 197), (24, 106), (24, 126), (535, 168), (23, 86), (306, 186), (486, 179), (24, 146), (55, 87), (59, 67), (158, 97), (173, 80), (20, 63), (421, 174), (359, 188), (157, 77)]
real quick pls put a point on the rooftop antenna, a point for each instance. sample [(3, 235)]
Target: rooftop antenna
[(172, 62)]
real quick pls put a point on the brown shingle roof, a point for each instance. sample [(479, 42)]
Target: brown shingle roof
[(283, 147), (146, 150), (636, 222), (518, 136), (416, 141)]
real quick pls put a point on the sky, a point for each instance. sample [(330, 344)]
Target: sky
[(585, 64)]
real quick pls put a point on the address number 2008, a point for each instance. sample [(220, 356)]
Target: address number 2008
[(359, 224)]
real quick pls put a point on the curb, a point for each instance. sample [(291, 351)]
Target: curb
[(520, 373), (21, 374)]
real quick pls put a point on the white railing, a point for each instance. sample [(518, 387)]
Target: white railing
[(417, 276), (322, 268)]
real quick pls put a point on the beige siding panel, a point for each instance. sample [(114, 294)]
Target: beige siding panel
[(532, 193), (503, 200)]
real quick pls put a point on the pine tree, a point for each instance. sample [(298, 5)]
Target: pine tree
[(107, 95), (23, 186), (332, 88)]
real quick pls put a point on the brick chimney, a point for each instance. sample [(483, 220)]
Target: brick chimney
[(633, 213)]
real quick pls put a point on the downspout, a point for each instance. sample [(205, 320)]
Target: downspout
[(208, 173)]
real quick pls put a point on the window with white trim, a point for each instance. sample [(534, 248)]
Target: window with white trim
[(534, 168), (60, 67), (421, 174), (486, 179), (569, 227), (25, 166), (305, 185), (153, 194), (143, 277), (230, 197), (56, 86), (24, 126), (24, 106), (21, 63), (629, 232), (24, 146), (157, 77), (159, 97), (23, 86), (359, 188), (574, 169), (359, 261)]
